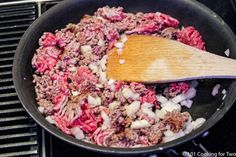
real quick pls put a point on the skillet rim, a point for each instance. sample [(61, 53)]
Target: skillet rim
[(108, 150)]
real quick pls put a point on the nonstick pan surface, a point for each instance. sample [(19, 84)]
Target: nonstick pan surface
[(215, 32)]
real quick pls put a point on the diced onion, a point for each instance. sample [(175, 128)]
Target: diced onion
[(94, 101), (72, 69), (75, 93), (77, 132), (174, 136), (215, 89), (147, 105), (103, 62), (110, 82), (227, 52), (161, 99), (50, 120), (114, 105), (223, 91), (86, 49), (124, 38), (149, 113), (132, 108), (101, 42), (170, 106), (127, 93), (103, 76), (119, 45), (198, 122), (168, 133), (135, 96), (138, 124), (191, 93), (98, 85), (41, 109), (160, 114), (93, 67), (122, 61), (179, 98), (106, 120), (187, 103)]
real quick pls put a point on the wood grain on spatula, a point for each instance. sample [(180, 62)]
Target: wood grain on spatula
[(152, 59)]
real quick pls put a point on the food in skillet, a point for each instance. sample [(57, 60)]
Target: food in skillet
[(74, 94)]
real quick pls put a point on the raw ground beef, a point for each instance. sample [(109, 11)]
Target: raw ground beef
[(74, 94)]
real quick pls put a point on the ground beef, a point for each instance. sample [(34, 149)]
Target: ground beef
[(192, 37), (72, 88), (176, 120)]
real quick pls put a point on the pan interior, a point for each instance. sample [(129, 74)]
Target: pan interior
[(215, 32)]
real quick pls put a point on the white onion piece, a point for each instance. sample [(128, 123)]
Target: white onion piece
[(41, 109), (188, 126), (198, 122), (124, 38), (77, 132), (191, 93), (122, 61), (94, 101), (50, 120), (127, 93), (168, 133), (98, 85), (101, 42), (132, 108), (179, 98), (160, 114), (103, 62), (215, 89), (114, 105), (135, 96), (161, 99), (72, 69), (223, 91), (147, 105), (106, 121), (103, 76), (110, 82), (138, 124), (187, 103), (174, 136), (113, 88), (86, 49), (170, 106), (227, 52), (93, 67), (75, 93), (149, 113), (119, 45)]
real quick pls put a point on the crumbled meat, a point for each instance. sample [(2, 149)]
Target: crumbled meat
[(72, 89), (175, 89), (176, 120), (192, 37), (169, 33)]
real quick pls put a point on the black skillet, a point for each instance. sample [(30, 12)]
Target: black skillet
[(215, 32)]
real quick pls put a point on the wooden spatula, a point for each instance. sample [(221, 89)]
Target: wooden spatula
[(152, 59)]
